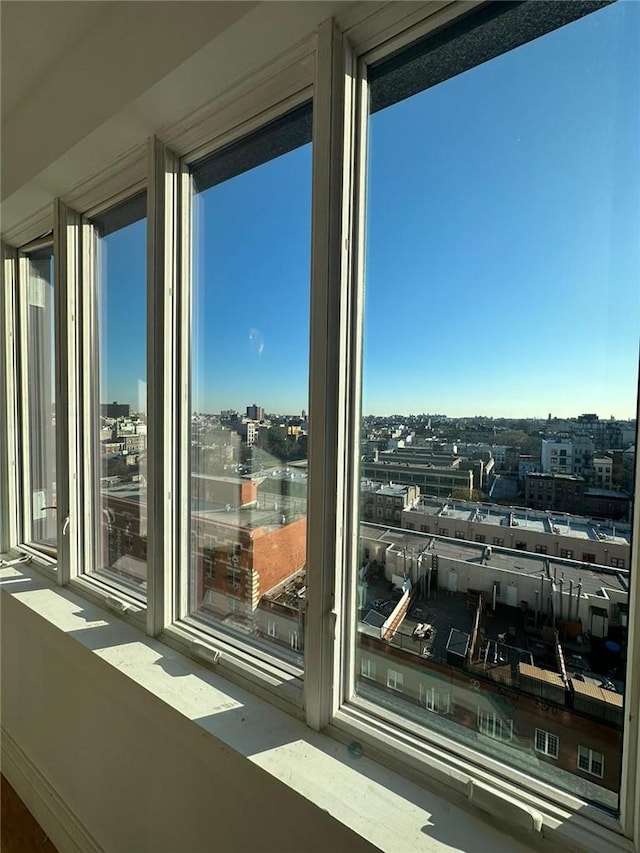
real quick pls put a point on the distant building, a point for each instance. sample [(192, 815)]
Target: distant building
[(556, 492), (115, 410), (384, 504), (255, 413), (603, 472), (567, 456)]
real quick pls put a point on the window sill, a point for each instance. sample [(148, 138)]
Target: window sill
[(372, 801)]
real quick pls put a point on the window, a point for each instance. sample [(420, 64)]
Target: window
[(416, 209), (590, 761), (36, 298), (547, 743), (433, 700), (491, 725), (251, 208), (394, 680), (118, 398), (367, 668), (470, 170)]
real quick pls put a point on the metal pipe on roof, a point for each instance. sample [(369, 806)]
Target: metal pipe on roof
[(569, 615), (561, 594), (578, 599)]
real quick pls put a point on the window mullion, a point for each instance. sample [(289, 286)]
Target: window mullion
[(328, 374), (630, 781), (69, 424), (162, 409), (9, 520)]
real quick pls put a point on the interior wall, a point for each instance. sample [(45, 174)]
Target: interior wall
[(134, 773)]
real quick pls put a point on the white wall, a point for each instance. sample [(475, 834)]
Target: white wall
[(138, 775)]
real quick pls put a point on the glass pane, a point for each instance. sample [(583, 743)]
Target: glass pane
[(249, 387), (40, 388), (122, 417), (498, 443)]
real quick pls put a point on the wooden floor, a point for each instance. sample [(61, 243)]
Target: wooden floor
[(19, 831)]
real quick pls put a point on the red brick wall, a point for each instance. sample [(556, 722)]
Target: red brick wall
[(278, 554)]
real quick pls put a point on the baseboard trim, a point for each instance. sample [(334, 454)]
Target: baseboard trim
[(55, 817)]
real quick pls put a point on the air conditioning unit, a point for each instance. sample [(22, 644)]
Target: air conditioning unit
[(235, 559)]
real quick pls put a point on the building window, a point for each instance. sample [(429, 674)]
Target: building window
[(394, 680), (617, 562), (566, 553), (272, 630), (443, 531), (520, 546), (424, 528), (497, 540), (546, 743), (411, 526), (541, 549), (233, 578), (480, 537), (491, 725), (590, 761), (433, 700), (367, 668), (209, 572), (459, 534), (588, 557), (294, 641)]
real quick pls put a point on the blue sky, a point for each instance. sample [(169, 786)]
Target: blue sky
[(502, 261)]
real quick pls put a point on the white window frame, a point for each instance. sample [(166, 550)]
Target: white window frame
[(493, 726), (434, 700), (272, 628), (367, 668), (395, 680), (357, 716), (550, 743), (591, 760)]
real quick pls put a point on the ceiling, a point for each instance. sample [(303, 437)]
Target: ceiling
[(35, 36)]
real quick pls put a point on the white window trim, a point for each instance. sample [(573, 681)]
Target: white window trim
[(549, 737), (590, 771), (395, 680)]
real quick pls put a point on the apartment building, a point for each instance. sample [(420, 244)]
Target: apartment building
[(558, 535)]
